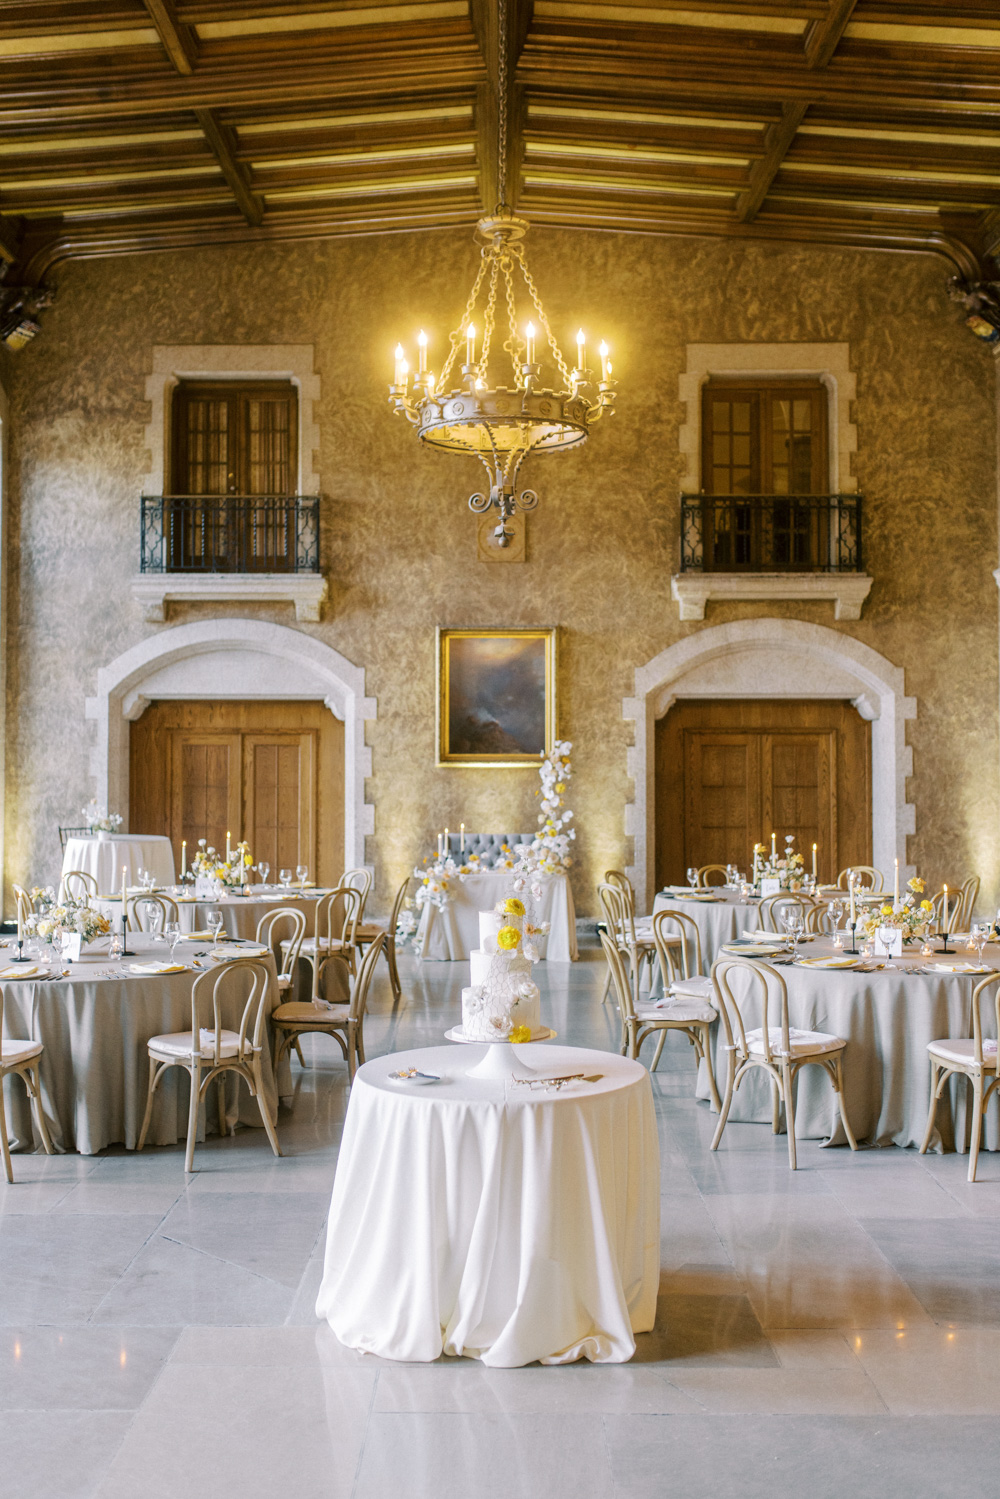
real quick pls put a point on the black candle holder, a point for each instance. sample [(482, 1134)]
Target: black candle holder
[(126, 927), (944, 937)]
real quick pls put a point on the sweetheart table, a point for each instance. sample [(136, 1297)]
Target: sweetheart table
[(483, 1218), (451, 932)]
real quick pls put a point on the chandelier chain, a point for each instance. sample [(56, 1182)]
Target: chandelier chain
[(512, 344), (489, 317), (537, 301), (458, 336), (502, 104)]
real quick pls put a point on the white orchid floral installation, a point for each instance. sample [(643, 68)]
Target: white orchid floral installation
[(99, 819), (551, 845)]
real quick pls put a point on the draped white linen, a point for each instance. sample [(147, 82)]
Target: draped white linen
[(483, 1219), (452, 933), (103, 858)]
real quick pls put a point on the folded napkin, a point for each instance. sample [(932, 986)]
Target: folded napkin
[(158, 968), (290, 896), (827, 962), (761, 938), (239, 950), (23, 971), (202, 936), (962, 967)]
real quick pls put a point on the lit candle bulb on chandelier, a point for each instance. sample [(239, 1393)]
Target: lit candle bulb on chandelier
[(581, 350), (605, 362), (529, 353), (400, 364), (470, 344), (422, 356)]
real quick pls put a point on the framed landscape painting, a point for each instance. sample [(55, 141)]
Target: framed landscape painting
[(496, 696)]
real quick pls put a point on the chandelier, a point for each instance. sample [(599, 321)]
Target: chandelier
[(501, 423)]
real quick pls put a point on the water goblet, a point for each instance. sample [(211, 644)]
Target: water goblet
[(263, 869), (285, 876), (171, 936), (301, 873), (692, 878), (980, 937), (215, 924), (796, 928)]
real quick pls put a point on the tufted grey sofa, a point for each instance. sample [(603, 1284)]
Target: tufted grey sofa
[(486, 845)]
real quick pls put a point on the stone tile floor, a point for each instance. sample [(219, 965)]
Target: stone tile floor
[(833, 1333)]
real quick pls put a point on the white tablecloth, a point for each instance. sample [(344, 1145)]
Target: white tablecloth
[(717, 922), (453, 932), (484, 1219), (103, 858)]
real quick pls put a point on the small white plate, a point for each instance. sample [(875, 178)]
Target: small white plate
[(421, 1078)]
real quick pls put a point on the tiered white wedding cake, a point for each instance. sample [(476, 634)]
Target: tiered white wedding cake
[(501, 997)]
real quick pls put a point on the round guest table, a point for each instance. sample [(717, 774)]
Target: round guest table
[(492, 1220), (103, 859), (95, 1066), (887, 1017), (241, 914), (724, 915)]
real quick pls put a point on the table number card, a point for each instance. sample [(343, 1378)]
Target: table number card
[(769, 887), (889, 940), (204, 887), (71, 948)]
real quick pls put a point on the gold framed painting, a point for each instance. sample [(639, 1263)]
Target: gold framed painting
[(496, 692)]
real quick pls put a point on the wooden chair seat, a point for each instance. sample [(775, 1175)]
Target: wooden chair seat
[(307, 1010)]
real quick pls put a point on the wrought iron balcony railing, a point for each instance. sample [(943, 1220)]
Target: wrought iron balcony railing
[(186, 533), (771, 533)]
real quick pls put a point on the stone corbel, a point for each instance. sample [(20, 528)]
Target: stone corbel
[(846, 591), (19, 309)]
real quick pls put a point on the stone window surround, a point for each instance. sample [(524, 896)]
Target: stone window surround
[(175, 362), (830, 363), (774, 658)]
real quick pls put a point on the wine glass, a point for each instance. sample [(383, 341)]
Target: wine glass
[(285, 876), (302, 873), (692, 878), (796, 927), (171, 936), (215, 924), (263, 869), (980, 937)]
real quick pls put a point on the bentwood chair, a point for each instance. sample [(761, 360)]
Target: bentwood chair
[(77, 884), (972, 1058), (705, 873), (771, 910), (620, 926), (337, 917), (969, 893), (214, 1050), (961, 904), (360, 880), (777, 1049), (643, 1018), (20, 1058), (345, 1022), (150, 913), (282, 930), (368, 931), (866, 877)]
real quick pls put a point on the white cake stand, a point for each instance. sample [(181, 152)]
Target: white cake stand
[(501, 1061)]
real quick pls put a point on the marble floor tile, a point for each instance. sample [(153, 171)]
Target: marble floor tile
[(471, 1388), (57, 1268), (718, 1330), (170, 1285), (491, 1456), (270, 1234), (926, 1371), (950, 1265), (59, 1454), (781, 1392), (80, 1368)]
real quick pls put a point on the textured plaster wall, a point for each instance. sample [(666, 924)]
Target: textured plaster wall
[(400, 543)]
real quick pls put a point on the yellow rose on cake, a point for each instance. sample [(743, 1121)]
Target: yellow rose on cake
[(520, 1033), (513, 907), (508, 937)]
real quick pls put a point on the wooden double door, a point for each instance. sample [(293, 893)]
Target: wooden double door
[(270, 772), (729, 773)]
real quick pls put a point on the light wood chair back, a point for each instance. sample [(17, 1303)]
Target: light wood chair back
[(337, 918), (621, 881), (344, 1022), (970, 894), (617, 914), (360, 880), (706, 871), (282, 930), (621, 984), (150, 913), (668, 951), (770, 912), (866, 877), (77, 884)]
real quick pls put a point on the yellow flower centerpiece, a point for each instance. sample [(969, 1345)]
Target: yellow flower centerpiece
[(507, 938), (912, 917)]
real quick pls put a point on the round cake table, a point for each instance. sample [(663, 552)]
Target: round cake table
[(494, 1219)]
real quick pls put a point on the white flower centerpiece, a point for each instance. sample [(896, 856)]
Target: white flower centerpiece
[(66, 916), (99, 820), (787, 868)]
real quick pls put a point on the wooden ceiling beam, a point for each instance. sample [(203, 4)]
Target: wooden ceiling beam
[(223, 145), (823, 37), (178, 40), (776, 143)]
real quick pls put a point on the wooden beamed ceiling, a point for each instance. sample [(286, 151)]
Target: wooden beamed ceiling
[(130, 125)]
